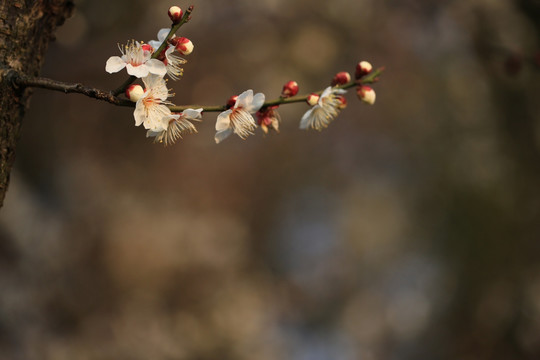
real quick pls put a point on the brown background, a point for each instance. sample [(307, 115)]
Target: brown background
[(406, 230)]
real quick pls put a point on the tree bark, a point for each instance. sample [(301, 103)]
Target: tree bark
[(26, 28)]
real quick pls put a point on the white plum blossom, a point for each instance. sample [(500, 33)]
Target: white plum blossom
[(238, 119), (179, 124), (325, 111), (151, 109), (136, 58), (172, 61)]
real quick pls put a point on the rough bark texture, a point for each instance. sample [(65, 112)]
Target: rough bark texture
[(26, 28)]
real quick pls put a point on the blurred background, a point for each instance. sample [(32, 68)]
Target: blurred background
[(406, 230)]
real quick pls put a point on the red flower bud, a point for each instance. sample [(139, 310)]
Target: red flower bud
[(341, 78), (362, 68), (289, 89), (134, 92), (147, 47), (175, 13), (184, 46), (232, 101), (312, 99), (366, 94)]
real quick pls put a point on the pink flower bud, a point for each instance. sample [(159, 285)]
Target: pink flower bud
[(366, 94), (175, 13), (232, 101), (341, 78), (363, 68), (184, 46), (342, 102), (312, 99), (289, 89), (134, 92)]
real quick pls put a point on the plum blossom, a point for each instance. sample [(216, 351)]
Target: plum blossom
[(238, 119), (172, 61), (268, 118), (324, 111), (151, 109), (136, 58), (178, 125)]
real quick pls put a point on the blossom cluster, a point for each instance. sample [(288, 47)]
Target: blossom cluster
[(151, 62)]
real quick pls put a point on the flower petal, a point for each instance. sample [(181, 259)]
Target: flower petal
[(154, 44), (306, 119), (157, 86), (137, 71), (139, 114), (151, 133), (152, 81), (222, 135), (326, 92), (156, 67), (192, 114), (162, 34), (114, 64), (157, 118), (256, 104), (244, 99), (223, 121)]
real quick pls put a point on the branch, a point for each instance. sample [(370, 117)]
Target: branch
[(21, 80), (368, 79)]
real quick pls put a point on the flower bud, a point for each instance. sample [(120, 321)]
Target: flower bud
[(232, 101), (312, 99), (147, 47), (175, 13), (366, 94), (341, 78), (134, 92), (342, 102), (363, 68), (289, 89), (184, 46)]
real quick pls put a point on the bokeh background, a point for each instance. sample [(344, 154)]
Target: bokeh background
[(406, 230)]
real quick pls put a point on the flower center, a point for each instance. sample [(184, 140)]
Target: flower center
[(242, 122)]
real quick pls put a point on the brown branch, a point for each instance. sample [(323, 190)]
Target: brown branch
[(21, 80)]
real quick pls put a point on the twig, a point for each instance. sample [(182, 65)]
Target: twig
[(21, 80), (368, 79)]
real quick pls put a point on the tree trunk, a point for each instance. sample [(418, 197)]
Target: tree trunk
[(26, 28)]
